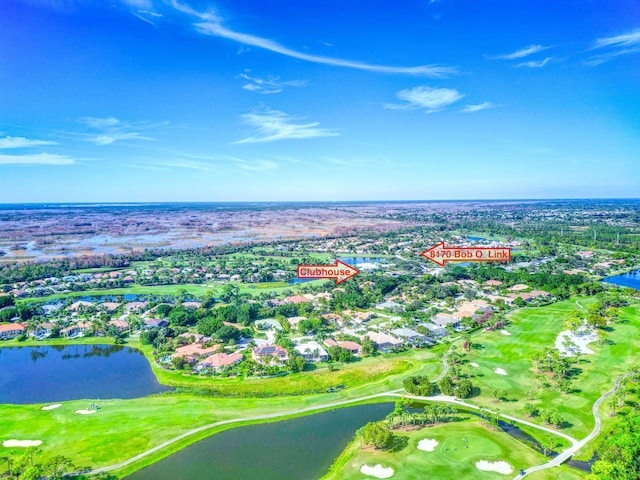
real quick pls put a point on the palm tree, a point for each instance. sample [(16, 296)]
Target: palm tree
[(466, 342), (8, 460)]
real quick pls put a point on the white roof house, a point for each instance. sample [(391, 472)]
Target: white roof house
[(312, 351), (384, 340)]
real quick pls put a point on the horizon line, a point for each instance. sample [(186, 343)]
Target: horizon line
[(165, 202)]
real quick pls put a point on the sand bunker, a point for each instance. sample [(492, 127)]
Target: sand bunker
[(500, 467), (51, 407), (21, 443), (579, 342), (500, 371), (427, 444), (85, 412), (504, 332), (378, 471), (474, 364)]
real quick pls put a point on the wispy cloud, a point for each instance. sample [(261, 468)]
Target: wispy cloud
[(272, 125), (36, 159), (477, 107), (179, 163), (211, 24), (143, 4), (218, 164), (110, 130), (625, 40), (259, 165), (423, 97), (269, 85), (523, 52), (614, 46), (377, 162), (535, 63), (22, 142)]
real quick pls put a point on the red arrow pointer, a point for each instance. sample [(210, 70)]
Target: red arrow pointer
[(441, 254), (339, 270)]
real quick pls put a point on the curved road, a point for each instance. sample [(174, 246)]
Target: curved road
[(227, 422), (568, 453), (575, 444), (194, 431), (392, 393), (445, 365), (456, 401)]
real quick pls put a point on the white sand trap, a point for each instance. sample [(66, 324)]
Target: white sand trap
[(427, 444), (378, 471), (21, 443), (579, 341), (500, 371), (51, 407), (85, 412), (504, 332), (474, 364), (500, 467)]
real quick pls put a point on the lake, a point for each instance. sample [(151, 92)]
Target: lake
[(357, 260), (45, 374), (629, 279), (297, 449)]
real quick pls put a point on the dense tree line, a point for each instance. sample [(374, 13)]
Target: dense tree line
[(619, 452)]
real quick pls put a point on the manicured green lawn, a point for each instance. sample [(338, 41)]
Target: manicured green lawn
[(124, 428), (450, 459), (533, 329), (558, 473), (197, 290), (362, 377)]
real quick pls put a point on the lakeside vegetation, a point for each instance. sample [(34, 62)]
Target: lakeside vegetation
[(552, 288), (460, 444)]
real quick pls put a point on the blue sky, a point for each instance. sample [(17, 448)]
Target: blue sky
[(160, 100)]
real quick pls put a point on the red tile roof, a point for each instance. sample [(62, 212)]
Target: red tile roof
[(11, 327)]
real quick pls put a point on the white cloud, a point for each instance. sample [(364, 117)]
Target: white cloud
[(22, 142), (143, 4), (108, 139), (36, 159), (478, 107), (109, 130), (211, 24), (269, 85), (101, 123), (430, 99), (272, 125), (535, 63), (615, 46), (523, 52), (256, 165), (150, 13), (630, 39), (182, 163), (596, 60)]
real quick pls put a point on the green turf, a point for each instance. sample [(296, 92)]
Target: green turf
[(533, 329), (197, 290), (558, 473), (456, 462)]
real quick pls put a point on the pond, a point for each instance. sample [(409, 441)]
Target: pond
[(629, 279), (59, 373), (358, 260), (300, 448)]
